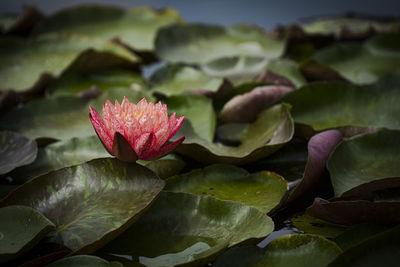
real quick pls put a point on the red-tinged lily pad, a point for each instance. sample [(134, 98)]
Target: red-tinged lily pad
[(356, 162), (90, 203), (21, 228), (15, 150), (84, 260), (262, 190), (246, 107), (320, 147), (136, 27), (183, 228), (382, 248), (273, 128), (288, 250), (341, 104), (363, 63), (23, 60), (201, 43), (356, 211)]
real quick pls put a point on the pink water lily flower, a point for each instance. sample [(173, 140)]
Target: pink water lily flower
[(130, 132)]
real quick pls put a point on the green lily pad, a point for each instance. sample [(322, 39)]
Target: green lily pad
[(25, 60), (311, 225), (345, 212), (201, 43), (288, 69), (363, 63), (273, 128), (72, 84), (262, 190), (21, 228), (84, 260), (340, 104), (90, 203), (355, 161), (15, 150), (61, 118), (136, 27), (358, 234), (352, 25), (176, 79), (380, 249), (198, 110), (194, 230), (166, 166), (288, 250)]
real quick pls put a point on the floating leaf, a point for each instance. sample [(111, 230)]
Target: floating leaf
[(176, 79), (272, 129), (288, 250), (194, 230), (201, 43), (246, 107), (166, 166), (20, 24), (15, 150), (90, 203), (312, 225), (84, 260), (75, 83), (356, 211), (363, 63), (262, 190), (24, 61), (136, 27), (198, 110), (21, 228), (380, 249), (355, 161), (341, 104)]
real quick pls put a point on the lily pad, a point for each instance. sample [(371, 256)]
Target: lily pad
[(288, 250), (84, 260), (15, 150), (286, 68), (262, 190), (20, 24), (340, 104), (311, 225), (136, 27), (90, 203), (176, 79), (201, 43), (194, 230), (198, 110), (25, 60), (166, 166), (356, 211), (363, 63), (273, 128), (75, 84), (355, 161), (380, 248), (21, 228)]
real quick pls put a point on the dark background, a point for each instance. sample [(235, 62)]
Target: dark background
[(265, 13)]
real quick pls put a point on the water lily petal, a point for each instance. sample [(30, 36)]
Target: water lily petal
[(98, 125), (145, 144), (164, 150)]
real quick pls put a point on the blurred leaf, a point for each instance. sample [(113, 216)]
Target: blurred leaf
[(15, 150), (182, 228), (357, 161), (287, 68), (382, 248), (21, 228), (272, 129), (84, 260), (201, 43), (20, 24), (288, 250), (90, 203), (262, 190), (325, 105), (198, 110), (24, 60), (363, 63), (136, 27), (312, 225)]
